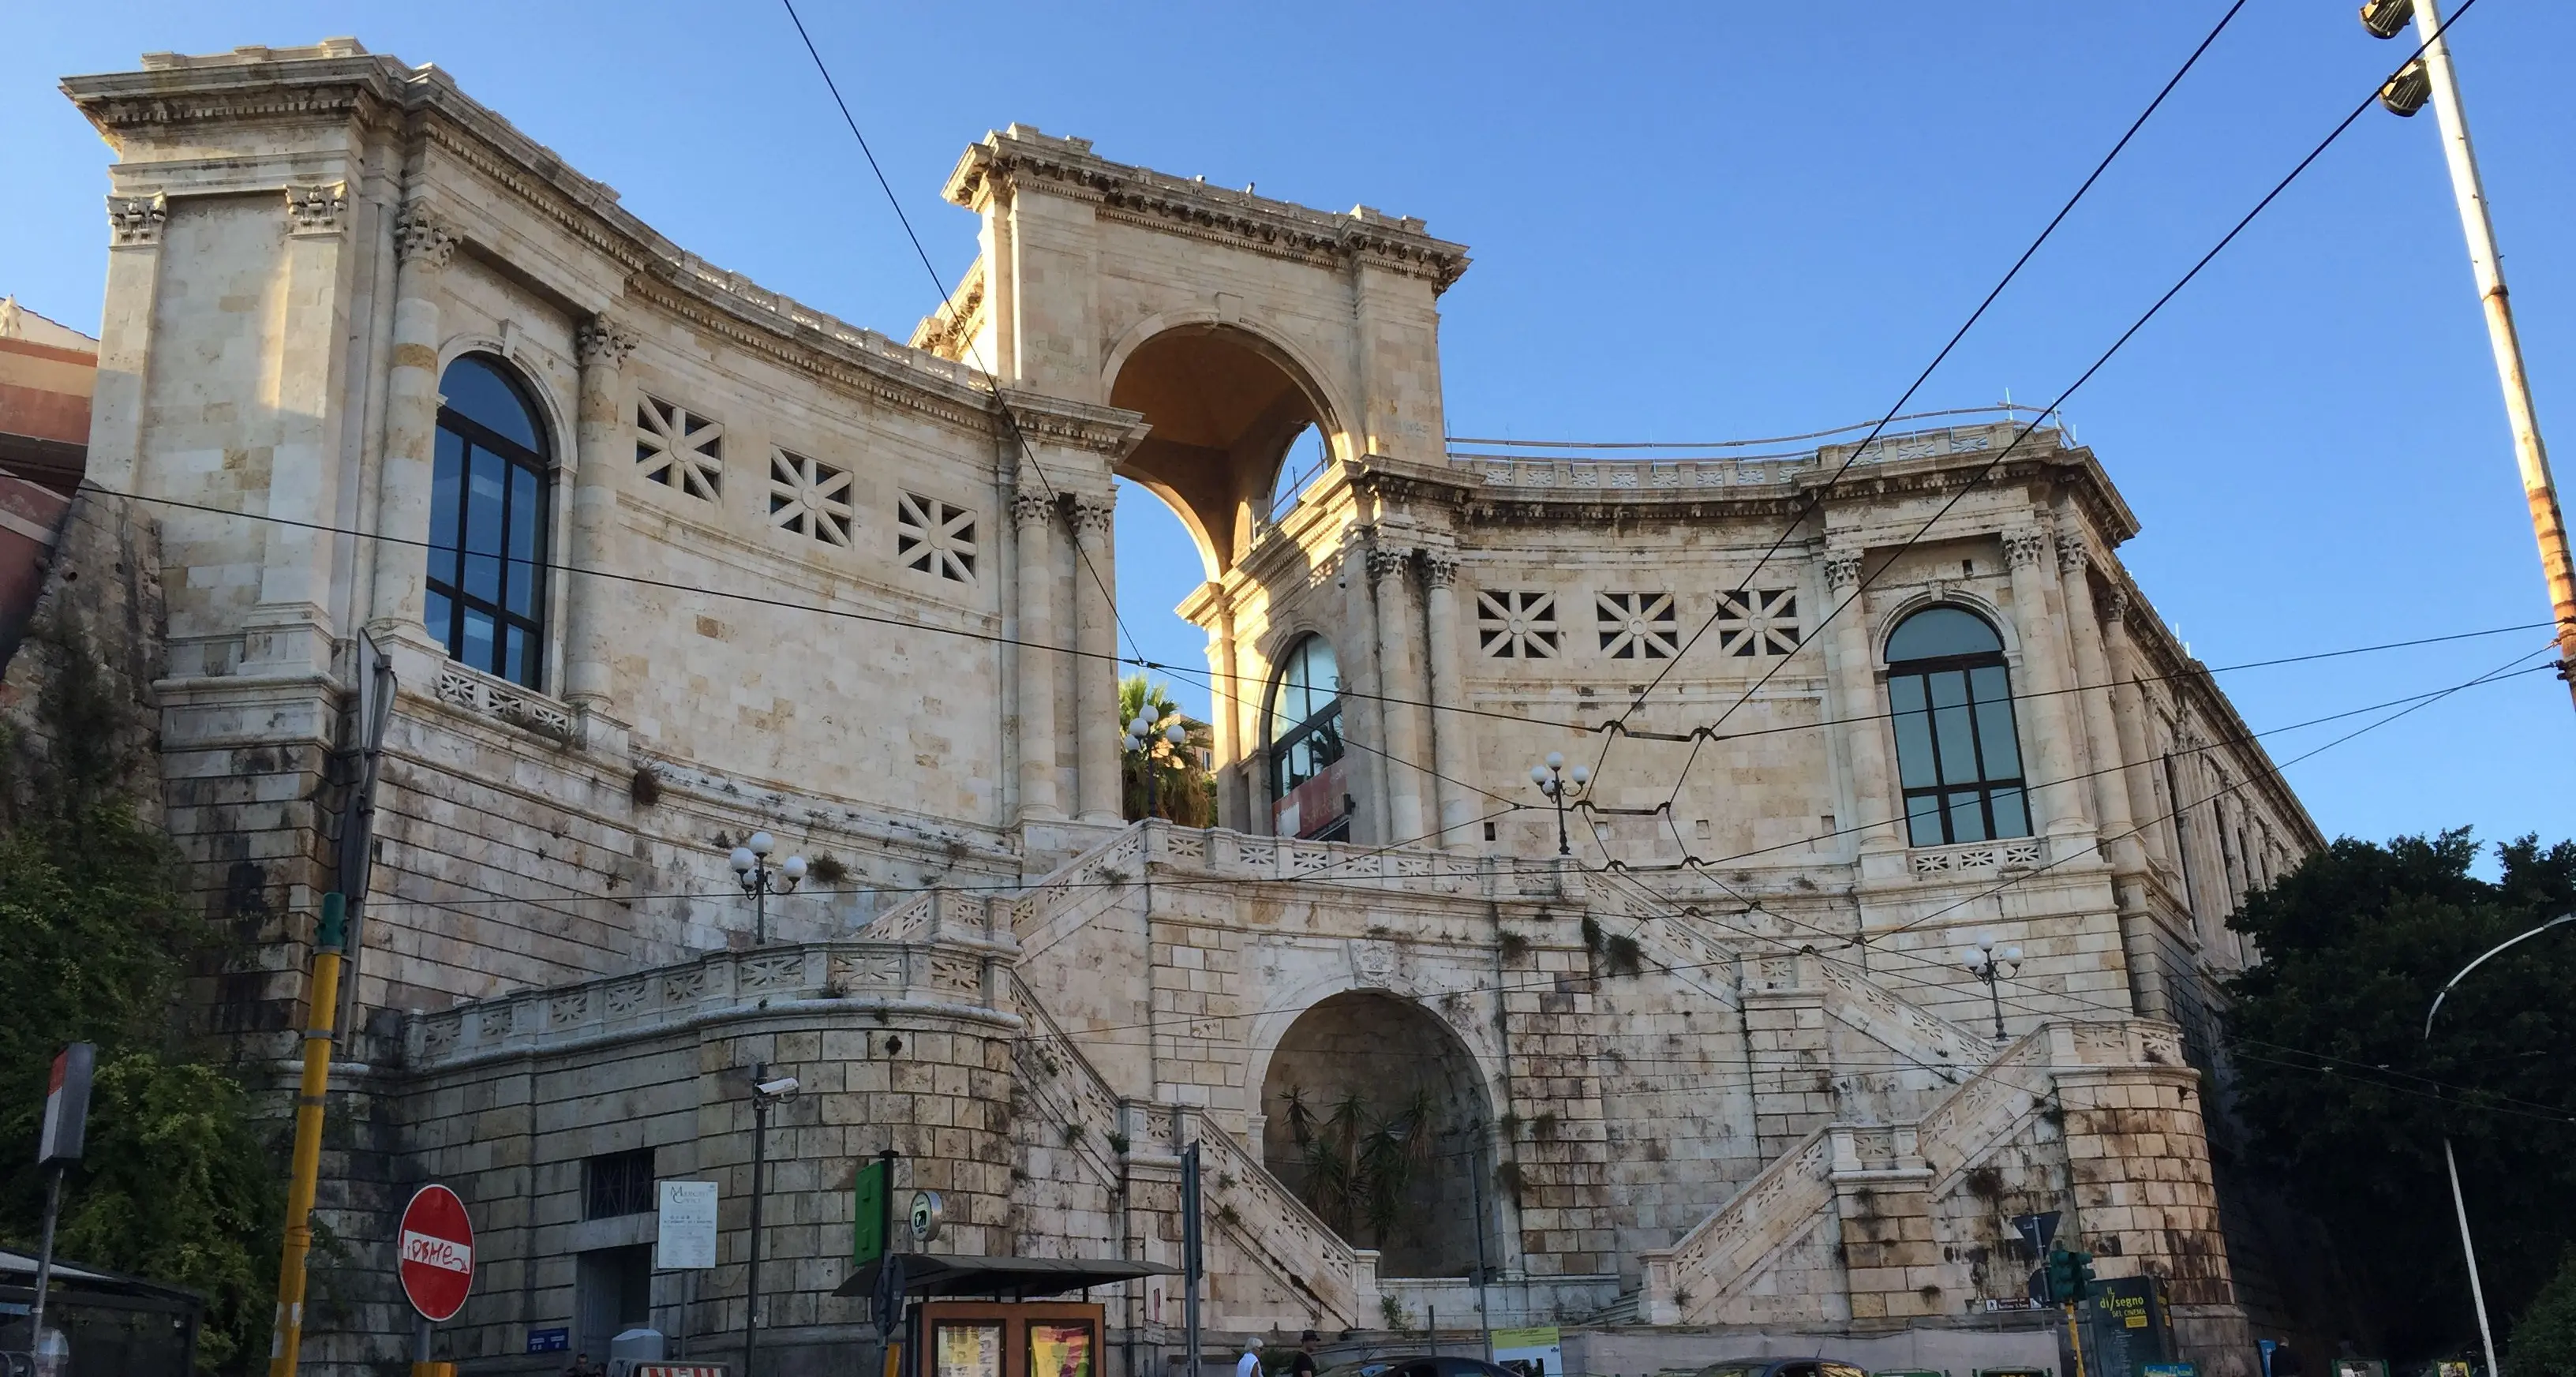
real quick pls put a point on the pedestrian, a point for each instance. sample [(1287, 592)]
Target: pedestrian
[(1303, 1365), (1249, 1365), (582, 1366)]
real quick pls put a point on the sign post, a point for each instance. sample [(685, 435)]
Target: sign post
[(684, 1238), (437, 1267), (59, 1145)]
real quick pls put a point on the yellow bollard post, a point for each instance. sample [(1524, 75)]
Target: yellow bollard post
[(324, 1007)]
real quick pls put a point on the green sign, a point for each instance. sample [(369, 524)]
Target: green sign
[(868, 1213)]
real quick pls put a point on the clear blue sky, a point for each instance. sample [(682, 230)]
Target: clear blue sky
[(1689, 223)]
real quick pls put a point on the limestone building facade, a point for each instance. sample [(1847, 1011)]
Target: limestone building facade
[(380, 374)]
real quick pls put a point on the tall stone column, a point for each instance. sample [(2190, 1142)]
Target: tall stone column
[(1391, 574), (2056, 799), (1096, 729), (1225, 718), (125, 340), (1033, 517), (1864, 727), (602, 439), (2112, 764), (424, 242), (1363, 713), (1452, 754), (291, 627), (2129, 718)]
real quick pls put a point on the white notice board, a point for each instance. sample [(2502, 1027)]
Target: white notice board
[(686, 1236)]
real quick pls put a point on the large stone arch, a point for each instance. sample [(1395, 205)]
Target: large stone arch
[(1223, 404), (1395, 1072)]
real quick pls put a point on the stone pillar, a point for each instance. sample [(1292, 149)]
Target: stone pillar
[(125, 341), (1452, 754), (291, 627), (424, 242), (1391, 575), (1225, 721), (1096, 729), (602, 439), (2129, 719), (1363, 714), (2112, 764), (1858, 703), (1033, 517), (2057, 805)]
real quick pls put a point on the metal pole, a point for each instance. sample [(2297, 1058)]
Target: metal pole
[(2539, 490), (419, 1341), (1995, 995), (2469, 1250), (751, 1278), (1431, 1319), (760, 911), (321, 1010), (1190, 1257), (1476, 1179), (45, 1259)]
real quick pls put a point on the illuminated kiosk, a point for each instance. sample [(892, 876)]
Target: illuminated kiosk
[(975, 1318)]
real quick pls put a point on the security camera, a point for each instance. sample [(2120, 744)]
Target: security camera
[(778, 1089)]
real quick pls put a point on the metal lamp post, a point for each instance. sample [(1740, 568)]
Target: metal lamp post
[(766, 1094), (1141, 736), (1991, 966), (1557, 782), (2459, 1203), (2429, 78), (751, 866)]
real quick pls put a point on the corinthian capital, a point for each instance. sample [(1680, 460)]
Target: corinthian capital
[(603, 343), (1388, 562), (1091, 514), (1842, 570), (2024, 549), (1440, 568), (2115, 606), (1032, 509), (2073, 553), (136, 219), (318, 210), (422, 236)]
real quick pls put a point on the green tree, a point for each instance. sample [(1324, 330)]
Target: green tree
[(2544, 1335), (2345, 1103), (1184, 791), (176, 1182)]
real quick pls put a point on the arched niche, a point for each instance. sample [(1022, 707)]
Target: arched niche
[(1365, 1073), (1225, 405)]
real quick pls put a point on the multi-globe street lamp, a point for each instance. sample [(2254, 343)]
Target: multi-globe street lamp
[(1560, 784), (1141, 735), (751, 866), (1990, 966)]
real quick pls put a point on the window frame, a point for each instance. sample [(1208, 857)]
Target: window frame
[(450, 585), (1324, 722), (1983, 788)]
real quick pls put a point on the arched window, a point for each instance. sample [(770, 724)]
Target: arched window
[(487, 522), (1957, 755), (1306, 733)]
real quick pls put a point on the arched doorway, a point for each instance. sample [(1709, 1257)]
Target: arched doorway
[(1377, 1119), (1225, 406)]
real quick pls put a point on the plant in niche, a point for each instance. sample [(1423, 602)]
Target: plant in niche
[(1072, 1134), (1360, 1163), (827, 869), (645, 789), (1512, 946)]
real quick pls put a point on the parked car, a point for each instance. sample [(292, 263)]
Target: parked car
[(1782, 1367), (1424, 1365)]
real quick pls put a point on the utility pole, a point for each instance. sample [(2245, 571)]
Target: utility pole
[(2539, 490), (322, 1011)]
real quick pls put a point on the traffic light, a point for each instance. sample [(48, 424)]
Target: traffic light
[(2070, 1277)]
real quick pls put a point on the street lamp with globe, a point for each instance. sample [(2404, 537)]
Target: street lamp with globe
[(760, 880), (1141, 735), (1989, 965), (1559, 783)]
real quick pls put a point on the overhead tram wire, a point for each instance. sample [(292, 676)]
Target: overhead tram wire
[(1815, 498), (1861, 585)]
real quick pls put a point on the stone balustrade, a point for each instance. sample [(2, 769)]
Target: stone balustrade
[(1593, 475)]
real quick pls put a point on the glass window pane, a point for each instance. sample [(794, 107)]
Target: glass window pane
[(1936, 632), (1995, 738), (473, 388), (2012, 813), (1967, 815), (525, 513), (482, 580), (484, 476), (441, 620), (476, 647), (1914, 763), (1958, 747), (518, 660), (446, 490), (1923, 820), (1989, 683)]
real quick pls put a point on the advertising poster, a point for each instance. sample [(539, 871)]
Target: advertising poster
[(1059, 1350), (1530, 1352), (968, 1350)]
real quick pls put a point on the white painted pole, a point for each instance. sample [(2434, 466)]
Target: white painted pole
[(2539, 490)]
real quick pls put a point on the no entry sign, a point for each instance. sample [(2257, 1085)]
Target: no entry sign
[(437, 1252)]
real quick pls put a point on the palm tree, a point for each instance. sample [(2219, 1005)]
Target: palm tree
[(1184, 792)]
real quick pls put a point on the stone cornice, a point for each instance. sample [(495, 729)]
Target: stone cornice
[(339, 80), (1104, 430), (1067, 167)]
